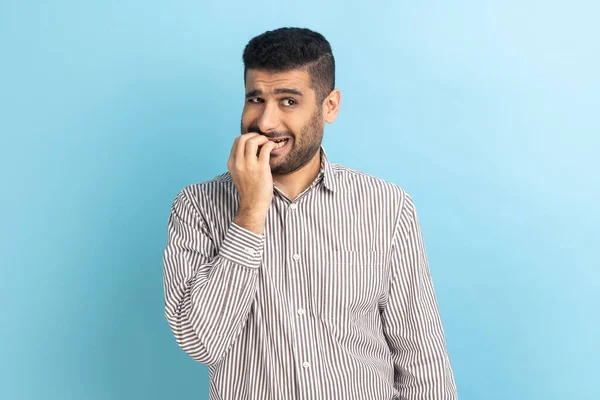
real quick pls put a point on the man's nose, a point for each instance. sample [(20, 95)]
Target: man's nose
[(269, 119)]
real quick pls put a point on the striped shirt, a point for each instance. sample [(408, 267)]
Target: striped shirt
[(334, 301)]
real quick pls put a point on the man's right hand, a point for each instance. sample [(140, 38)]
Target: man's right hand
[(253, 179)]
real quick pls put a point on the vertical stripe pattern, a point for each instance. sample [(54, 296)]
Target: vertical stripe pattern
[(334, 301)]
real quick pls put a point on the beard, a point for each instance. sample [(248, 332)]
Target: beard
[(303, 149)]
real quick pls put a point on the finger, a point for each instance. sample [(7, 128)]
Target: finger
[(252, 146), (233, 151), (265, 152), (241, 145)]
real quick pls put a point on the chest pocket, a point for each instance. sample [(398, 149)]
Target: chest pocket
[(346, 285)]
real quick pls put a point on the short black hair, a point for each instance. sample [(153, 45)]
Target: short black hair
[(286, 49)]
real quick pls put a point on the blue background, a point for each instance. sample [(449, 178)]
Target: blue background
[(486, 112)]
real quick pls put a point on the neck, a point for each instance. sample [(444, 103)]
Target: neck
[(296, 182)]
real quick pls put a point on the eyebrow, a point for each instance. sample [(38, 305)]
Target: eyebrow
[(257, 92)]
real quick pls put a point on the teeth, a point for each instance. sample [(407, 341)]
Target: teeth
[(280, 144)]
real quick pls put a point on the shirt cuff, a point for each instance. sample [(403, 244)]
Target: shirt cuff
[(242, 246)]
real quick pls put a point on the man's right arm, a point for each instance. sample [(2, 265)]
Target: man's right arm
[(208, 292)]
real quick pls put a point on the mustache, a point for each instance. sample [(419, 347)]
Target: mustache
[(272, 135)]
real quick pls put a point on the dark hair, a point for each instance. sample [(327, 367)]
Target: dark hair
[(286, 49)]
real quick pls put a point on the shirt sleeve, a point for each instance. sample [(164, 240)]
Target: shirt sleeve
[(411, 320), (208, 290)]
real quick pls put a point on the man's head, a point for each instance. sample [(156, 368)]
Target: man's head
[(289, 77)]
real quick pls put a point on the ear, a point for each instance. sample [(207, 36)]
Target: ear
[(331, 106)]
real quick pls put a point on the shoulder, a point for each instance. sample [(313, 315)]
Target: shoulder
[(202, 194), (358, 181)]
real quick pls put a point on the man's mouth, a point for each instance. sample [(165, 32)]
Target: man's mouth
[(280, 142)]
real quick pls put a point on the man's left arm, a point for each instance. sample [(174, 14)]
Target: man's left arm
[(411, 319)]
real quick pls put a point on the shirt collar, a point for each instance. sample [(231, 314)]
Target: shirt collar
[(327, 171)]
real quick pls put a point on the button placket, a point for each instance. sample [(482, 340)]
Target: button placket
[(298, 298)]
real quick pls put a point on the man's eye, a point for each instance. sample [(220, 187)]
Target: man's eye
[(254, 100), (292, 101)]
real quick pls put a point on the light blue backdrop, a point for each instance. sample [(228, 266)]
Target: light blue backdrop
[(486, 112)]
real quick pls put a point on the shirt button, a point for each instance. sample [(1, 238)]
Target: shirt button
[(296, 257), (300, 311), (293, 206), (305, 364)]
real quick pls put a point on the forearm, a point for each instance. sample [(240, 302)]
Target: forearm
[(208, 307), (422, 365), (207, 319)]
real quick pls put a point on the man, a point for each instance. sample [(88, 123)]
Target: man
[(292, 277)]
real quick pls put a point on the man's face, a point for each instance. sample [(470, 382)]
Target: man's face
[(282, 104)]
